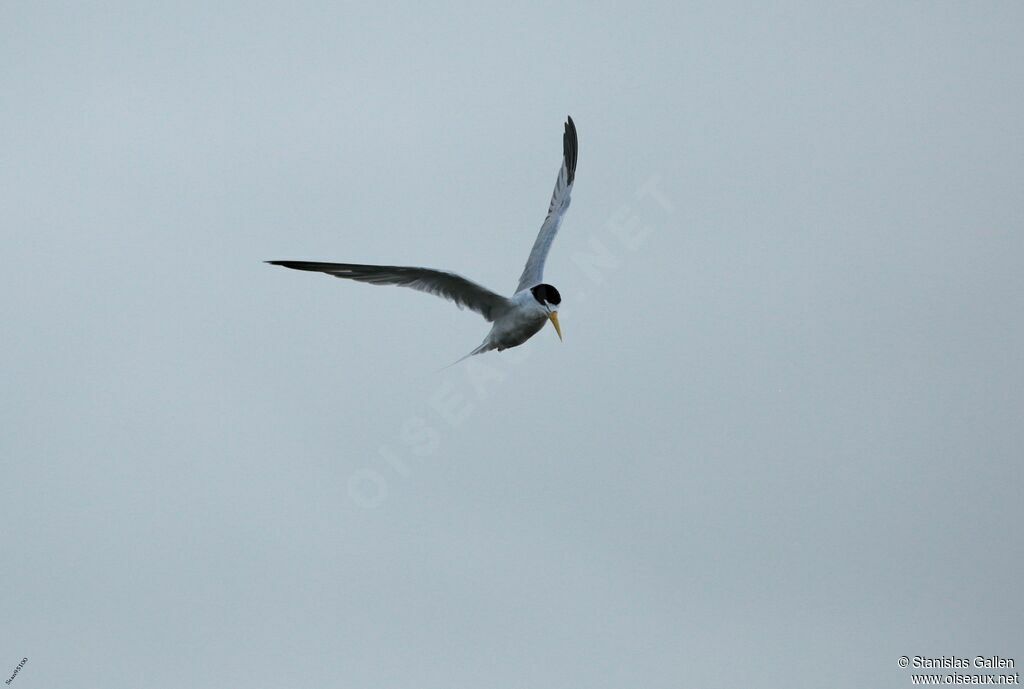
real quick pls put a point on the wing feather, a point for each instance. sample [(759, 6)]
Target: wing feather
[(533, 273), (465, 293)]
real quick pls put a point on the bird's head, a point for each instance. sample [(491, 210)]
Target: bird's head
[(548, 297)]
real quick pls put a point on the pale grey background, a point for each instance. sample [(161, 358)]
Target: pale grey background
[(780, 446)]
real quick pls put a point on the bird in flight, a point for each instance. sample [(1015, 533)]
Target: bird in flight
[(515, 319)]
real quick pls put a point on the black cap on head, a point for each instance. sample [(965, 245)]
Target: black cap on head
[(546, 294)]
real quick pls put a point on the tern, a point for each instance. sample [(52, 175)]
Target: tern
[(515, 319)]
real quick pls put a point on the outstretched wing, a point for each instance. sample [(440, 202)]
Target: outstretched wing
[(533, 274), (465, 293)]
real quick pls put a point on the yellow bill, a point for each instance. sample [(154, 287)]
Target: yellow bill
[(554, 320)]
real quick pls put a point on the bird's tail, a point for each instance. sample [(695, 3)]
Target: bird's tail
[(485, 346)]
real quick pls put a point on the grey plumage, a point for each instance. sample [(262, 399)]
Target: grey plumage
[(515, 319)]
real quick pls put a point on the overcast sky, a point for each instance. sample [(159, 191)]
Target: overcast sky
[(780, 446)]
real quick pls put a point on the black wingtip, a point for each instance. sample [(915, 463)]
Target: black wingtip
[(295, 265), (570, 147)]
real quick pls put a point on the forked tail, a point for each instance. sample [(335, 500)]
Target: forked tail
[(485, 346)]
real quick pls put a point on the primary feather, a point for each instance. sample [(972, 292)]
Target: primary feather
[(465, 293), (533, 273)]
